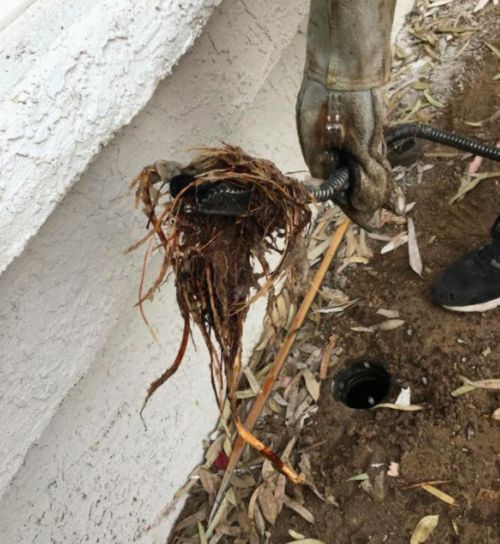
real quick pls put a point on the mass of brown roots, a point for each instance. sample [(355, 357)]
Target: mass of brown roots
[(220, 263)]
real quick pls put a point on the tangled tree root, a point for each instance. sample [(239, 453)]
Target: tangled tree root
[(214, 259)]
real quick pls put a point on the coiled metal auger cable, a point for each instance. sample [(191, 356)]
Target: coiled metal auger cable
[(339, 180)]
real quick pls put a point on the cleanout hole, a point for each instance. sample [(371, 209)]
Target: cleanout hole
[(361, 385)]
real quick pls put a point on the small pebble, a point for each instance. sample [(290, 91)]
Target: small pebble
[(469, 431)]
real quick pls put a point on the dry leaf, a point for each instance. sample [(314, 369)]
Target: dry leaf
[(268, 471), (245, 394), (312, 386), (432, 100), (400, 407), (314, 254), (209, 481), (438, 3), (307, 541), (202, 534), (411, 205), (390, 324), (281, 311), (424, 529), (364, 249), (253, 502), (306, 471), (442, 154), (489, 119), (279, 492), (441, 495), (462, 390), (352, 242), (421, 85), (190, 521), (302, 412), (480, 5), (363, 329), (390, 314), (398, 241), (359, 478), (213, 451), (492, 383), (411, 113), (268, 505), (242, 483), (379, 237), (279, 399), (413, 251), (493, 48), (337, 299), (219, 516), (338, 308), (468, 183), (252, 380), (259, 521), (227, 447), (299, 509), (192, 480), (295, 535), (293, 401), (231, 497), (433, 54), (285, 456)]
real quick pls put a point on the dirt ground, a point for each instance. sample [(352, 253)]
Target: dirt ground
[(452, 439)]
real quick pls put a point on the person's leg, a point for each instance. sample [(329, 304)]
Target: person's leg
[(472, 283)]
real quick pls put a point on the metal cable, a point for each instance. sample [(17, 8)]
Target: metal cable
[(428, 132), (338, 181)]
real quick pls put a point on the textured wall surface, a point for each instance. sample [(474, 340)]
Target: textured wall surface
[(65, 87), (68, 319), (77, 464), (11, 9), (67, 68)]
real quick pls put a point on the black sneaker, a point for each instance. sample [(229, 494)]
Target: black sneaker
[(472, 284)]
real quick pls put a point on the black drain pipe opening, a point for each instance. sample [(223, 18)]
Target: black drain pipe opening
[(361, 385)]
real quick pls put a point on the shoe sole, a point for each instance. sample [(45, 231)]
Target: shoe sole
[(483, 307)]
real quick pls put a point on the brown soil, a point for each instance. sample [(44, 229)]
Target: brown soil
[(451, 439)]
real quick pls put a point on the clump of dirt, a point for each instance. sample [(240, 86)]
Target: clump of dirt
[(214, 257)]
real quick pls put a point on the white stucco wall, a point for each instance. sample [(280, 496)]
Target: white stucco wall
[(67, 68), (66, 87), (77, 465), (11, 9), (67, 307)]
